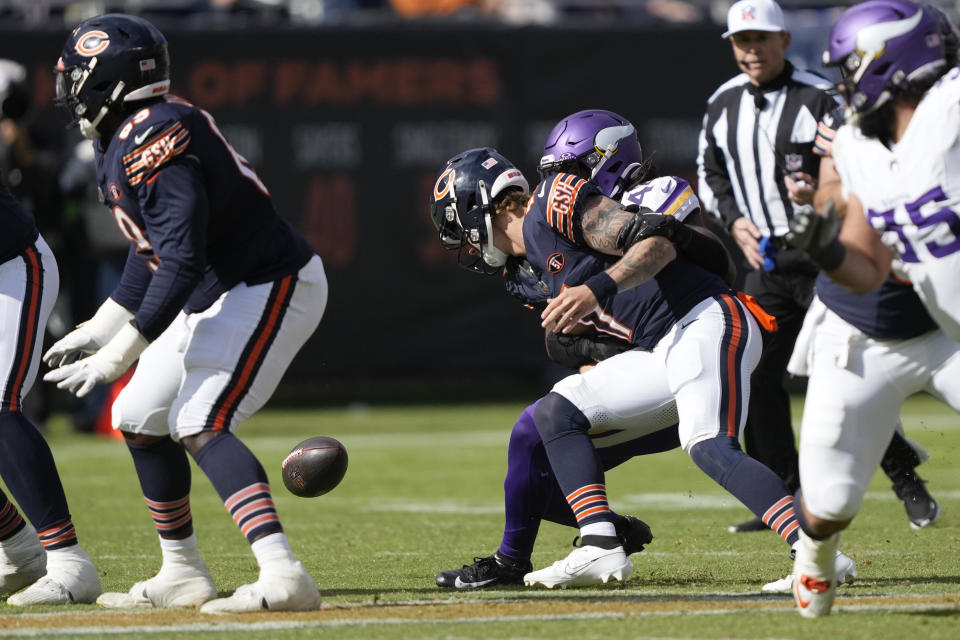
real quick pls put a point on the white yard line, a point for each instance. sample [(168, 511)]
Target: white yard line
[(280, 625), (660, 500)]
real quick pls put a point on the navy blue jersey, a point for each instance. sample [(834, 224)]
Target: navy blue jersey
[(17, 229), (557, 256), (199, 218), (892, 312)]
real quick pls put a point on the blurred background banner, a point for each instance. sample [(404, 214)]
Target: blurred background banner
[(348, 125)]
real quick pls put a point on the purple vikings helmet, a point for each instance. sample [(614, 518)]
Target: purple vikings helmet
[(880, 45), (601, 143), (461, 204)]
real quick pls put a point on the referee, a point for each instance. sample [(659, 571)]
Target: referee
[(755, 165)]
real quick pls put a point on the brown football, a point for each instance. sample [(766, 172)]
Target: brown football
[(314, 467)]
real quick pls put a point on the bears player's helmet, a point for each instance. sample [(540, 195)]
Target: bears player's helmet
[(594, 144), (880, 46), (107, 61), (461, 204)]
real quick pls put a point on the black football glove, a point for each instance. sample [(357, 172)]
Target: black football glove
[(646, 225), (576, 351), (818, 235)]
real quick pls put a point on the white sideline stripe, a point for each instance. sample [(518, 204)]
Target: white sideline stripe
[(280, 625), (666, 500)]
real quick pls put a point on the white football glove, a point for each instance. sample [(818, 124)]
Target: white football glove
[(106, 365), (88, 336)]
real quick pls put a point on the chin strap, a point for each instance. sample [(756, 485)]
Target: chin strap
[(491, 255)]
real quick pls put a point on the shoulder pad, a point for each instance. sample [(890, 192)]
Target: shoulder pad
[(560, 195), (826, 130), (668, 195), (148, 142)]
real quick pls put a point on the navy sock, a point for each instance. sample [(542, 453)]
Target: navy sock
[(164, 473), (11, 522), (573, 458), (28, 469), (756, 486), (241, 483)]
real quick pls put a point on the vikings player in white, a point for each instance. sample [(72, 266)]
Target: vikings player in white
[(893, 157)]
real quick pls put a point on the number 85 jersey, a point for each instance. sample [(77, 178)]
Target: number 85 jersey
[(911, 196)]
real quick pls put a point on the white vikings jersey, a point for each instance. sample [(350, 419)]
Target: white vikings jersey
[(668, 195), (911, 196)]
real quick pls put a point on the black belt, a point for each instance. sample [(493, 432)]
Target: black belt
[(780, 242)]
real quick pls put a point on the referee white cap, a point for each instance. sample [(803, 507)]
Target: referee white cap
[(754, 15)]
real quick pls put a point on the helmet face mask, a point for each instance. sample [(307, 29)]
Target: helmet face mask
[(880, 46), (461, 206), (598, 145), (108, 61)]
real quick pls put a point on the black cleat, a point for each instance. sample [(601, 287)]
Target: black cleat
[(754, 524), (922, 509), (634, 534), (486, 572)]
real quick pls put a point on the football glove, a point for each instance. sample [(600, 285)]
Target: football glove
[(818, 235), (106, 365), (645, 225), (88, 336), (575, 351)]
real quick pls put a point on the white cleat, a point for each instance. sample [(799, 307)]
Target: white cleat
[(585, 565), (845, 567), (815, 585), (174, 586), (71, 578), (23, 560), (290, 590)]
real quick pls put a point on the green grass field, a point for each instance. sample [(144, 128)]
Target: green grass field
[(424, 493)]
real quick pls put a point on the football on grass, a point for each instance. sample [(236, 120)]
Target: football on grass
[(314, 467)]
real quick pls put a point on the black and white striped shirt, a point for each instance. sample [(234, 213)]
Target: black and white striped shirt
[(753, 136)]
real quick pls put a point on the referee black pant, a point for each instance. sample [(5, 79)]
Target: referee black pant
[(785, 294)]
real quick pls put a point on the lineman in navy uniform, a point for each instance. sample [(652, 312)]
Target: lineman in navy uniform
[(217, 296), (54, 562), (570, 237)]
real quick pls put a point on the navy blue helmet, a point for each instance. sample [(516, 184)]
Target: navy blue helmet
[(107, 61), (461, 205)]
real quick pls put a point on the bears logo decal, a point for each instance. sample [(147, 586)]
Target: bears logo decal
[(92, 43), (444, 184)]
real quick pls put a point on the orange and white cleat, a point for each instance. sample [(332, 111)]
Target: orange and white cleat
[(815, 578)]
